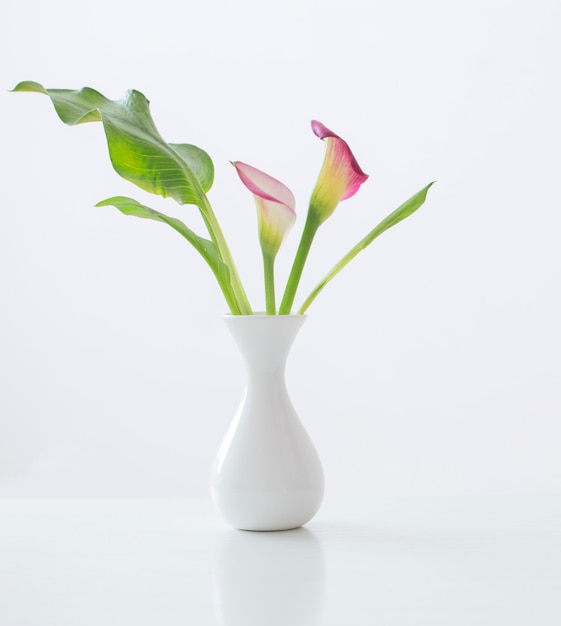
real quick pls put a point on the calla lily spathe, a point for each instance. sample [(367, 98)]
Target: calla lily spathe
[(340, 177), (275, 205)]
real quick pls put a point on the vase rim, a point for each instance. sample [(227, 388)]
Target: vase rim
[(262, 314)]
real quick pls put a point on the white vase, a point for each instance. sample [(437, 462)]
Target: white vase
[(267, 475)]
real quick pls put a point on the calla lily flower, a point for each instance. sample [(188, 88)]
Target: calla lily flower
[(275, 216), (340, 176), (275, 206)]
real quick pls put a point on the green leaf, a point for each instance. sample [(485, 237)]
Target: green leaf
[(140, 155), (402, 212), (199, 162), (137, 150), (205, 247)]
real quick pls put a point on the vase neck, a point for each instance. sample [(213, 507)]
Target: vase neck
[(264, 340)]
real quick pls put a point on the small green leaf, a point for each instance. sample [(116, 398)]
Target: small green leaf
[(205, 247), (403, 211)]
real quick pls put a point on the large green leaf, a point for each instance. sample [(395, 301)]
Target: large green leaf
[(138, 152), (205, 247)]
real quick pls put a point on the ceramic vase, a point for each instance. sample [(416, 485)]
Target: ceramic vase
[(267, 475)]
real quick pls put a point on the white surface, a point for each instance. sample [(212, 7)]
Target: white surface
[(116, 374), (424, 561), (267, 474)]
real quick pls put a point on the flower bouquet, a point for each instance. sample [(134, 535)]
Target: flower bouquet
[(267, 475), (185, 173)]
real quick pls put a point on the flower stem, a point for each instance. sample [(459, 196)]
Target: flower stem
[(308, 234), (269, 273), (217, 236), (213, 226)]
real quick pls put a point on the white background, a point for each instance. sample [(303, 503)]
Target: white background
[(430, 366)]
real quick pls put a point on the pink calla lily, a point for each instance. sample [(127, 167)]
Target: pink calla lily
[(275, 205), (340, 177)]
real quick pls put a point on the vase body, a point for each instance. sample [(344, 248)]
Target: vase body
[(267, 475)]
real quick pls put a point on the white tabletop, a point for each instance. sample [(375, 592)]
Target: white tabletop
[(425, 561)]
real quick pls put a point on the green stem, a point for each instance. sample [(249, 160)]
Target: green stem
[(334, 271), (308, 234), (218, 237), (269, 273), (228, 293)]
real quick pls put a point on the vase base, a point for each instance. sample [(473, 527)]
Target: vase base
[(263, 511), (268, 530)]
